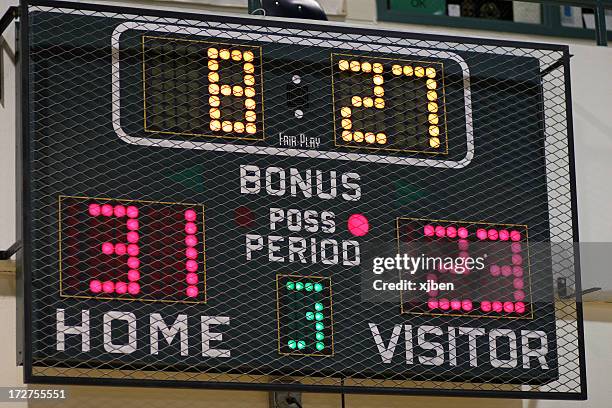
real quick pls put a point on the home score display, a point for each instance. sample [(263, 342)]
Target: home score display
[(209, 199)]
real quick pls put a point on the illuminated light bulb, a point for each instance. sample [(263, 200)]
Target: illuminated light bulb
[(120, 249), (432, 95), (213, 53), (485, 306), (191, 253), (347, 135), (319, 326), (224, 54), (107, 210), (358, 137), (319, 336), (238, 127), (518, 283), (248, 56), (370, 137), (366, 67), (497, 306), (396, 69), (299, 285), (515, 236), (462, 232), (378, 79), (444, 304), (191, 265), (368, 102), (292, 344), (213, 89), (191, 228), (434, 142), (517, 259), (308, 287), (419, 72), (379, 103), (343, 65), (310, 315), (318, 288), (191, 240), (434, 131), (492, 234), (467, 305), (495, 270), (249, 80), (236, 55), (108, 248), (132, 224), (133, 288), (213, 77), (432, 107), (250, 116), (430, 72), (379, 91), (108, 287), (226, 90), (358, 225), (347, 124), (429, 230), (440, 231), (319, 307), (132, 237), (345, 112), (431, 84), (119, 211), (504, 235), (481, 234), (408, 71), (214, 101), (506, 270), (121, 288), (301, 344), (377, 68), (192, 291), (455, 304), (508, 307), (249, 104), (249, 92), (251, 128), (451, 232), (319, 316), (192, 278), (133, 275), (215, 113), (237, 90), (290, 285), (215, 125), (433, 118), (356, 101), (463, 244), (227, 126), (94, 210), (517, 271), (519, 307), (249, 68), (95, 286), (432, 304), (519, 295), (320, 346), (213, 65), (133, 262), (355, 66), (381, 138)]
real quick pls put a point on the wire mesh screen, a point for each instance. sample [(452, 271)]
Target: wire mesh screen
[(252, 203)]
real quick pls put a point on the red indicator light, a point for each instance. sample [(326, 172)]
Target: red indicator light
[(358, 225)]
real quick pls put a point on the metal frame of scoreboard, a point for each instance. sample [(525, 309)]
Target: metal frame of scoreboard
[(24, 264)]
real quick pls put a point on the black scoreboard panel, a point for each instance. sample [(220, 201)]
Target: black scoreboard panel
[(207, 198)]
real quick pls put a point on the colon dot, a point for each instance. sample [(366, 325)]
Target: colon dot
[(495, 270), (517, 259), (192, 291), (191, 228), (191, 265), (428, 231), (133, 262), (467, 305), (497, 306), (94, 210), (432, 303), (517, 271), (108, 248), (508, 307), (108, 287), (133, 288), (121, 287), (120, 249), (506, 270), (516, 247), (107, 210), (518, 283), (190, 215), (462, 232), (440, 231), (132, 224), (95, 286), (463, 244), (492, 234), (191, 253), (133, 275), (485, 306), (519, 307), (191, 240), (481, 233), (132, 212), (444, 304), (519, 295), (119, 211), (133, 250), (192, 278), (504, 235), (455, 304), (451, 232), (132, 237), (515, 235)]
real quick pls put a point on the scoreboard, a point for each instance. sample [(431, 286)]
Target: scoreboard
[(240, 201)]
